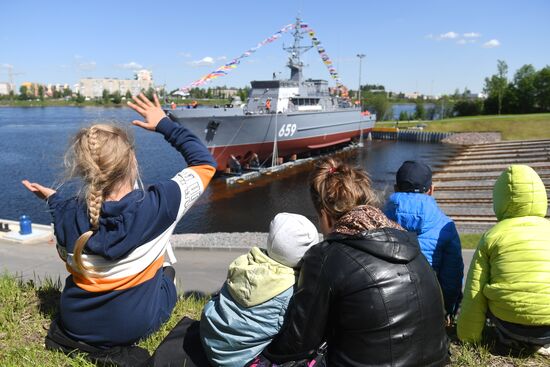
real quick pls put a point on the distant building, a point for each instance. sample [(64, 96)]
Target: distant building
[(413, 95), (93, 87), (32, 88), (58, 87), (473, 96), (6, 88), (228, 93)]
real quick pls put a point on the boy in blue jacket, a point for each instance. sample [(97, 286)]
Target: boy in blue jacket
[(414, 208)]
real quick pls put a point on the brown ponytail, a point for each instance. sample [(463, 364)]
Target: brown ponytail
[(337, 187), (103, 156)]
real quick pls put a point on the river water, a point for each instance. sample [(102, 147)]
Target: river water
[(33, 141)]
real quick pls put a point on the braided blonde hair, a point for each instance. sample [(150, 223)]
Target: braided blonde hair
[(103, 157), (337, 187)]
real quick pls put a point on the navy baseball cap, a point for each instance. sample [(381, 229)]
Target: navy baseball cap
[(414, 176)]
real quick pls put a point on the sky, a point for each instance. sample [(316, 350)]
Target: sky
[(432, 47)]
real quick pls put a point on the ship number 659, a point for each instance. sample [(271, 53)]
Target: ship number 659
[(287, 130)]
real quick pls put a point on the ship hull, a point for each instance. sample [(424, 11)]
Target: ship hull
[(295, 133)]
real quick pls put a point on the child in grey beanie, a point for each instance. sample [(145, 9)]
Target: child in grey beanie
[(290, 236), (239, 322)]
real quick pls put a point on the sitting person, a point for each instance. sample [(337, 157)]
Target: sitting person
[(509, 277), (238, 323), (366, 289), (414, 208), (114, 238)]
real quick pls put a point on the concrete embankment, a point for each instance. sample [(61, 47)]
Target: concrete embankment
[(464, 184)]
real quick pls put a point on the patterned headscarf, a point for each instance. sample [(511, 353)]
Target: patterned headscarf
[(363, 218)]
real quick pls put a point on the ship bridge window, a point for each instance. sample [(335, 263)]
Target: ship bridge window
[(305, 101)]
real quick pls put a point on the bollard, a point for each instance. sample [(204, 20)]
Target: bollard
[(25, 224)]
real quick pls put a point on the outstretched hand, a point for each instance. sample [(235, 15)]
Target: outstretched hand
[(151, 112), (40, 191)]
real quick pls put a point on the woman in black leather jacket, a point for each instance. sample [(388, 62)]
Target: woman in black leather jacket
[(366, 290)]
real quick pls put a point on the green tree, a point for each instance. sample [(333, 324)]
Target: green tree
[(105, 96), (496, 85), (23, 93), (128, 94), (79, 98), (243, 93), (420, 112), (403, 116), (542, 89), (41, 92), (444, 107), (468, 108), (149, 93), (380, 104), (67, 92), (524, 89), (116, 97)]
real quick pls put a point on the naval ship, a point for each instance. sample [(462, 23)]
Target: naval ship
[(281, 118)]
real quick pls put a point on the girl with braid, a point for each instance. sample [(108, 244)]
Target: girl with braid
[(115, 236)]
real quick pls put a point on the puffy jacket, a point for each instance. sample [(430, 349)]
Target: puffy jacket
[(510, 270), (373, 297), (438, 239), (237, 324)]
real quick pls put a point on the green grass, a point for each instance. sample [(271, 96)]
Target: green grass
[(512, 127), (470, 240), (26, 310)]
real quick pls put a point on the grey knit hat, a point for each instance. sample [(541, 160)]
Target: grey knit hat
[(290, 236)]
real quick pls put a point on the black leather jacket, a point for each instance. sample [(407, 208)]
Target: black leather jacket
[(373, 297)]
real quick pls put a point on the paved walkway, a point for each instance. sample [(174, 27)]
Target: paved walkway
[(196, 270)]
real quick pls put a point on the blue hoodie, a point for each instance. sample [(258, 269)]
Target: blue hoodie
[(438, 238), (127, 296)]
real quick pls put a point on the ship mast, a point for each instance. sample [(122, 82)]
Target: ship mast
[(296, 50)]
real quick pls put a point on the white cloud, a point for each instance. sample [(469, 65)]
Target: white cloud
[(132, 65), (205, 61), (491, 44), (472, 35), (86, 65), (448, 35)]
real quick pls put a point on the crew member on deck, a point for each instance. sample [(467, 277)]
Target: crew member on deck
[(268, 105)]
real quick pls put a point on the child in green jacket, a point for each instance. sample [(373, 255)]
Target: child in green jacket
[(509, 277)]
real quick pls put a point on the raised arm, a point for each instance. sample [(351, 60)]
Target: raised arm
[(201, 166)]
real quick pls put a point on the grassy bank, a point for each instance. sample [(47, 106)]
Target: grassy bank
[(26, 311), (470, 240), (512, 127)]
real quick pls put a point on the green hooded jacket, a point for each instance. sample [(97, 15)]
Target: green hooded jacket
[(510, 270)]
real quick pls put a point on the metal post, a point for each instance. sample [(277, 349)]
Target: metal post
[(360, 56)]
